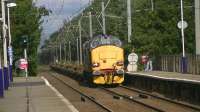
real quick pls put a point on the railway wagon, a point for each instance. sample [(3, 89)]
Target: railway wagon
[(103, 60)]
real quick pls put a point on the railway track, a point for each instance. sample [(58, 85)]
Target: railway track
[(104, 100), (192, 107), (152, 101), (84, 95), (123, 95), (118, 95)]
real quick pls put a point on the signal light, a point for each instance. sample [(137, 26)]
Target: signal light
[(24, 41)]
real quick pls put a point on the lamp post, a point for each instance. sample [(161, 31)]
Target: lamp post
[(10, 51), (183, 62), (4, 27)]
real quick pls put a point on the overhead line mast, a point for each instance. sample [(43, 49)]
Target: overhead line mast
[(103, 18), (90, 20), (129, 20), (80, 42), (197, 26)]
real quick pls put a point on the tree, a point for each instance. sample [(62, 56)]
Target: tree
[(26, 20), (154, 31)]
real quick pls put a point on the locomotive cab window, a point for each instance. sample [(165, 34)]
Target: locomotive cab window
[(104, 40)]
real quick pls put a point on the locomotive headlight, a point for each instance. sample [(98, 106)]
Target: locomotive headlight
[(95, 64), (120, 71)]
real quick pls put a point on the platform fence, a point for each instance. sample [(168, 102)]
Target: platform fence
[(172, 63)]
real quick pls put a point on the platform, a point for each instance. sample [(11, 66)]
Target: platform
[(182, 87), (170, 76), (34, 95)]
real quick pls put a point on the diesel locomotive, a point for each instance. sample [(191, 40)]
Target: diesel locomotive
[(103, 60)]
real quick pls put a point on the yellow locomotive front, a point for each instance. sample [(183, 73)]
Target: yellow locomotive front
[(106, 60), (107, 64)]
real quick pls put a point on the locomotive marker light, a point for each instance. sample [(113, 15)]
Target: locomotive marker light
[(133, 59)]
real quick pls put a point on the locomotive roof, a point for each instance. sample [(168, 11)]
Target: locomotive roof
[(104, 40)]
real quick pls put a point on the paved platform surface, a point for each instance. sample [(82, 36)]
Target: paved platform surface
[(172, 76), (34, 95)]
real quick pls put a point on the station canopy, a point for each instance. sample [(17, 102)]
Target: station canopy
[(105, 40)]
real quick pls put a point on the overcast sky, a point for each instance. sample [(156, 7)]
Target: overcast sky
[(61, 9)]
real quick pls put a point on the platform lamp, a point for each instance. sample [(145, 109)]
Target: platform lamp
[(184, 59), (10, 51)]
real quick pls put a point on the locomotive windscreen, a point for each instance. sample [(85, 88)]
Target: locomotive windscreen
[(105, 40)]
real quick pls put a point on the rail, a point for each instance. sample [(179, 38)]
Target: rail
[(162, 98), (82, 94), (131, 99)]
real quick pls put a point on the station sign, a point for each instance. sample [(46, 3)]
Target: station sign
[(23, 64), (185, 24), (133, 58)]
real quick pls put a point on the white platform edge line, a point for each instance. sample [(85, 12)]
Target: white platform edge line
[(69, 105), (165, 77)]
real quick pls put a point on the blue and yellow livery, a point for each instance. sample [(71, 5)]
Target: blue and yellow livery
[(104, 60)]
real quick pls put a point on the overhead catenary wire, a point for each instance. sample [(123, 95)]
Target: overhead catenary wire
[(100, 24)]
